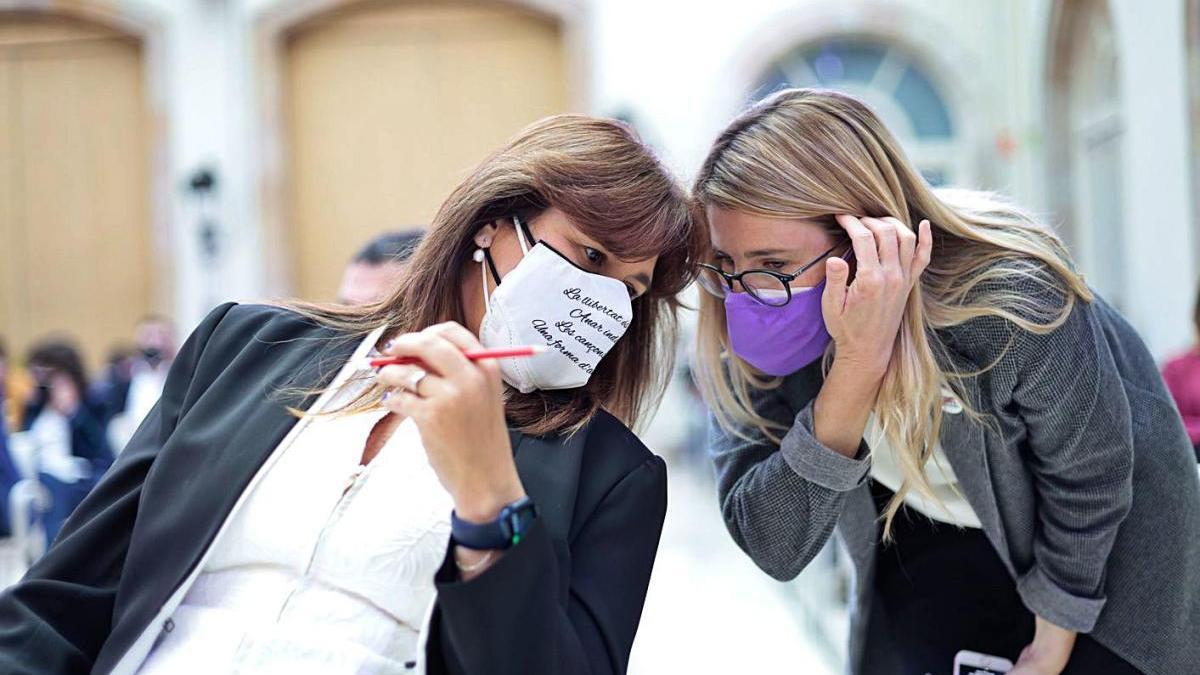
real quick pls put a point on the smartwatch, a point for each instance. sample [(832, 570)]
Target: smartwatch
[(502, 533)]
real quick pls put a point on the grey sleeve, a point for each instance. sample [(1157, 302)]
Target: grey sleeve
[(1070, 395), (781, 501)]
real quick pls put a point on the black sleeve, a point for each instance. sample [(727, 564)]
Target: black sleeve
[(55, 619), (510, 621)]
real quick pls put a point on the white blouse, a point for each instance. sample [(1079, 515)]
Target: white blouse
[(885, 468), (328, 566)]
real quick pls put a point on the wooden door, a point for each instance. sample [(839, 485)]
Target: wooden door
[(74, 230), (391, 104)]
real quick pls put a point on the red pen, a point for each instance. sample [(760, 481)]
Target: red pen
[(472, 354)]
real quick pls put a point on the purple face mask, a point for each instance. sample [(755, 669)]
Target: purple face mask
[(778, 340)]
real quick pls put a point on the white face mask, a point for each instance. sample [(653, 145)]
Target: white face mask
[(546, 300)]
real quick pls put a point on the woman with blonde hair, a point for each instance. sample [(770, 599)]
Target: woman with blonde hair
[(286, 508), (926, 374)]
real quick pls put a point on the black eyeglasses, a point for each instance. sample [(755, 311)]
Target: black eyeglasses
[(766, 286)]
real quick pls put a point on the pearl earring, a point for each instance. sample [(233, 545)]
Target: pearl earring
[(478, 255)]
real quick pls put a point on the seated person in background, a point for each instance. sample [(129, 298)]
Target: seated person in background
[(111, 390), (16, 388), (155, 350), (64, 423), (1182, 375), (375, 270), (44, 360), (8, 472)]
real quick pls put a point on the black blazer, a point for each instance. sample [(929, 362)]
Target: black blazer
[(567, 599)]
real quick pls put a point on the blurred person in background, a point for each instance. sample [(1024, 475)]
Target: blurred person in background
[(127, 402), (111, 389), (287, 508), (1182, 375), (46, 359), (925, 373), (63, 422), (8, 470), (3, 381), (375, 271), (18, 387)]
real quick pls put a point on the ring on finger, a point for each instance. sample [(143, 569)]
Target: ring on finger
[(414, 383)]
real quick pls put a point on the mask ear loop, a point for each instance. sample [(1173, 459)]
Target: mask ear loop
[(521, 234), (482, 257)]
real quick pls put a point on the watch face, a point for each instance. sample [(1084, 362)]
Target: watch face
[(516, 519)]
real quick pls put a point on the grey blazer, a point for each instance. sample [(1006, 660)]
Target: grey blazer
[(1088, 493)]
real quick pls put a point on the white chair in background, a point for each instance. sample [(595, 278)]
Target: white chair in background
[(28, 540), (26, 501)]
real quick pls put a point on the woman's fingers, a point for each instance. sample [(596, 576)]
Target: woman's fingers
[(924, 247), (404, 403), (907, 239), (457, 334), (837, 271), (465, 340), (865, 250), (888, 242), (895, 252), (403, 377), (436, 353)]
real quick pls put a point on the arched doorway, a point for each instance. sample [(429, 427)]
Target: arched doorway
[(1087, 129), (896, 86), (74, 213), (388, 105)]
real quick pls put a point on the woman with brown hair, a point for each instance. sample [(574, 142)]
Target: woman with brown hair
[(925, 373), (287, 509)]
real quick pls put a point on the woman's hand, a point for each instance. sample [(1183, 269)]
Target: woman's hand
[(863, 319), (1048, 653), (864, 316), (459, 409)]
